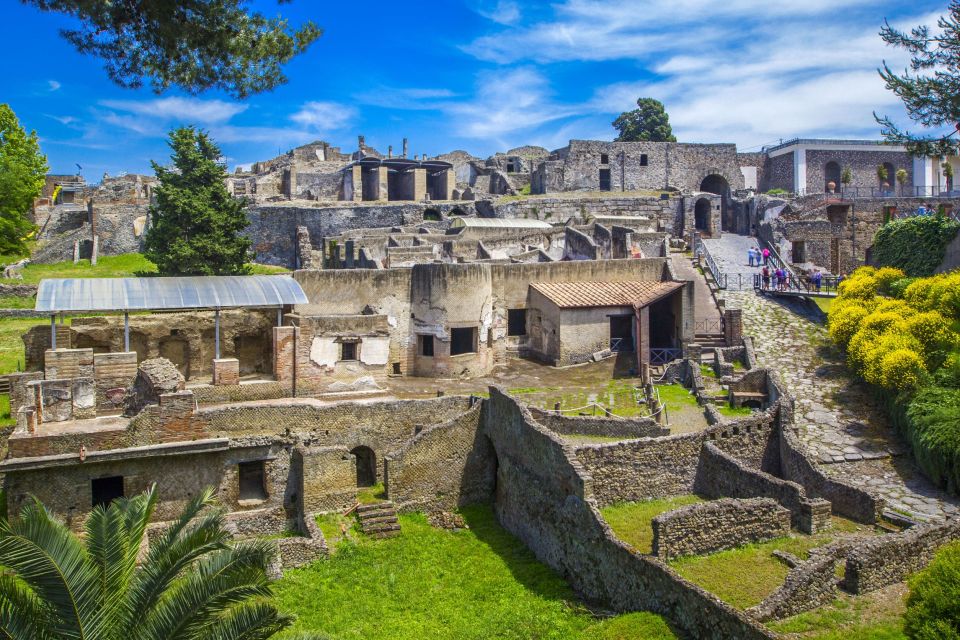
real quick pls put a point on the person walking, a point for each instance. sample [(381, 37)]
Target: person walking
[(750, 256), (817, 279), (765, 275), (766, 256)]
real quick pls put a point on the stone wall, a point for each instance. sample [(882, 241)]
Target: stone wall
[(889, 559), (327, 478), (443, 467), (605, 427), (810, 584), (545, 498), (579, 246), (718, 525)]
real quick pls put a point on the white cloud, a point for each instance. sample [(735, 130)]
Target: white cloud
[(53, 85), (324, 116), (192, 110), (503, 12), (407, 99)]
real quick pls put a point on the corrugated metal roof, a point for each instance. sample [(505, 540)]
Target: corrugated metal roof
[(78, 295), (503, 223), (641, 293)]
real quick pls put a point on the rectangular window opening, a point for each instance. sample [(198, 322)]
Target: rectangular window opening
[(348, 350), (463, 340), (252, 481), (425, 345), (643, 159), (516, 322), (604, 158), (103, 491)]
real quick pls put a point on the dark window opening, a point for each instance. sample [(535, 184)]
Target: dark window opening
[(621, 333), (516, 322), (396, 368), (105, 490), (643, 160), (252, 485), (366, 466), (348, 350), (425, 345), (837, 213), (463, 340), (432, 215), (604, 158), (604, 179)]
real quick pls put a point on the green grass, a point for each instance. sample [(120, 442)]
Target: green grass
[(6, 419), (11, 343), (823, 303), (676, 396), (744, 576), (332, 526), (734, 412), (876, 616), (619, 396), (17, 302), (476, 583), (371, 495), (631, 521), (266, 269), (707, 371)]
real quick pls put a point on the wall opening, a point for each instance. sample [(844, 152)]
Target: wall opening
[(701, 215), (837, 213), (798, 251), (425, 345), (463, 340), (886, 183), (252, 480), (177, 350), (348, 351), (663, 323), (138, 343), (621, 333), (253, 352), (604, 158), (604, 179), (643, 160), (366, 466), (432, 215), (457, 211), (516, 322), (831, 173), (103, 491)]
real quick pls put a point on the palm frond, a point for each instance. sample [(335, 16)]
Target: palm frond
[(23, 616), (249, 621)]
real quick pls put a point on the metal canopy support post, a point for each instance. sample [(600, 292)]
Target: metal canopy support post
[(126, 331), (279, 316), (53, 332), (216, 333)]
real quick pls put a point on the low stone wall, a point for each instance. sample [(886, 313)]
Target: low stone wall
[(889, 559), (809, 585), (443, 467), (718, 525), (722, 475), (243, 392), (18, 290), (546, 499), (607, 427)]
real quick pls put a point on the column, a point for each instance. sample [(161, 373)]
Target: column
[(800, 171)]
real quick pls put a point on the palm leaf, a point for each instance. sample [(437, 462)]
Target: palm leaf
[(248, 621), (23, 616)]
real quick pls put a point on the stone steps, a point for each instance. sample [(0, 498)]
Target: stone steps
[(379, 520)]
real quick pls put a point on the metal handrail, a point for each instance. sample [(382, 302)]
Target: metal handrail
[(828, 284), (718, 276)]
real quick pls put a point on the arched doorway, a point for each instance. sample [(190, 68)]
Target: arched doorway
[(366, 466), (831, 173), (432, 215), (887, 177), (716, 183), (701, 215)]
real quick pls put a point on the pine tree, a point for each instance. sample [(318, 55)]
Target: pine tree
[(195, 224), (648, 123), (930, 87), (23, 170)]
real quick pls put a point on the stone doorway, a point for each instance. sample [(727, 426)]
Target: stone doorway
[(366, 466)]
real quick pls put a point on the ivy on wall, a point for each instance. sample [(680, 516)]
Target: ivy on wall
[(916, 245)]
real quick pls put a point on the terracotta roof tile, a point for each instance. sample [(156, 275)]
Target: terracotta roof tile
[(605, 294)]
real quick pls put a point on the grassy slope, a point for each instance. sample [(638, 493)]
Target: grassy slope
[(875, 616), (631, 521), (429, 583)]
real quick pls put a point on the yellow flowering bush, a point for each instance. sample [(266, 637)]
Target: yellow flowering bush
[(933, 332), (886, 276), (859, 285), (902, 369), (876, 352), (845, 322)]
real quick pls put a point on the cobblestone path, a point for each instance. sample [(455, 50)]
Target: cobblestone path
[(839, 420), (729, 253)]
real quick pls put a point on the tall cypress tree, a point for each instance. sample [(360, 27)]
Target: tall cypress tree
[(196, 223)]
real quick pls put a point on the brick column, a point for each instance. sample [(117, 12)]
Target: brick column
[(284, 354), (226, 371), (733, 327), (419, 184), (642, 325)]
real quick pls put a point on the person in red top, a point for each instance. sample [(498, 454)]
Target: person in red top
[(766, 256)]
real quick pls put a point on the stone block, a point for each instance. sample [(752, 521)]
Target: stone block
[(226, 371)]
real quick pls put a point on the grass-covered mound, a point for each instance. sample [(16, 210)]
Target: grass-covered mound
[(476, 583)]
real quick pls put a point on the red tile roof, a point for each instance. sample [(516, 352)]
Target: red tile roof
[(567, 295)]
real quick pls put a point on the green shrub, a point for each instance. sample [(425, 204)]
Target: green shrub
[(898, 287), (932, 424), (933, 606), (916, 245), (949, 373)]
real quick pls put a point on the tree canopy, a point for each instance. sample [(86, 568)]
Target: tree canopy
[(195, 224), (193, 44), (23, 169), (930, 87), (193, 583), (649, 122)]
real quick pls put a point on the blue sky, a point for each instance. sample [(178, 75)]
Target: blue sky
[(484, 75)]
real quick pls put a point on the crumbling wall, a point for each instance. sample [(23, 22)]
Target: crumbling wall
[(718, 525), (599, 426), (154, 378)]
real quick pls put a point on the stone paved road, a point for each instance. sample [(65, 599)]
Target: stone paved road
[(729, 252), (839, 420)]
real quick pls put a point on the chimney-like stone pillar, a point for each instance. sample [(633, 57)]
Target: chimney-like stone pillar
[(406, 148)]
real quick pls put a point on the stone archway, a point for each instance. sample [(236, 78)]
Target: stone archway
[(702, 210), (717, 184), (832, 173)]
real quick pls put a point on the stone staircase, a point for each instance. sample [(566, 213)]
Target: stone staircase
[(379, 520), (710, 342)]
